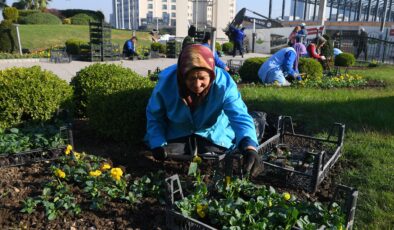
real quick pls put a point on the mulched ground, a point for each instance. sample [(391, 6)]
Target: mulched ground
[(18, 183)]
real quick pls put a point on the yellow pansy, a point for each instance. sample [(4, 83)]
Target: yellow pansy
[(77, 155), (68, 149), (105, 166), (286, 196), (116, 173), (201, 210), (60, 173), (95, 173)]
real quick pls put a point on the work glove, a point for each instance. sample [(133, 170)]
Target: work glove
[(252, 162), (159, 153)]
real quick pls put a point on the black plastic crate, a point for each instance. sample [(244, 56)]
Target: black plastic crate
[(321, 153), (345, 196), (37, 155)]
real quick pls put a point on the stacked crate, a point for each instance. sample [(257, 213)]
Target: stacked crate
[(173, 49), (101, 48)]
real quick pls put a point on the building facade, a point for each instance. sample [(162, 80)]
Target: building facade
[(135, 14)]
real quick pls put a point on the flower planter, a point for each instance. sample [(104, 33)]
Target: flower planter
[(37, 155)]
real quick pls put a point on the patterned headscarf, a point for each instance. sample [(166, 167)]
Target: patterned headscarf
[(300, 50), (194, 57)]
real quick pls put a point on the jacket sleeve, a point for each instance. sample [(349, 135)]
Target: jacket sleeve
[(289, 62), (312, 51), (156, 116), (235, 109), (218, 62)]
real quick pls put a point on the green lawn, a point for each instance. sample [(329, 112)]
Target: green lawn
[(38, 37), (369, 144)]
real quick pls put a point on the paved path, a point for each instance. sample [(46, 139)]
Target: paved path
[(68, 70)]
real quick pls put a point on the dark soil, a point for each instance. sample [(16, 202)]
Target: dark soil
[(18, 183)]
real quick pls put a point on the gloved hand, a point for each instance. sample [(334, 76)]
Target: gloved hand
[(159, 153), (252, 162)]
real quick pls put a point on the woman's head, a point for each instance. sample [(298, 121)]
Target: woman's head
[(320, 41), (195, 72), (297, 28)]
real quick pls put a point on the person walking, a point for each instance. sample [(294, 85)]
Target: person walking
[(238, 36), (362, 44)]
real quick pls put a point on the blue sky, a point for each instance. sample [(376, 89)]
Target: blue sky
[(260, 6)]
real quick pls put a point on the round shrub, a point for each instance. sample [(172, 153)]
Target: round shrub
[(89, 78), (24, 13), (11, 13), (312, 68), (116, 108), (345, 60), (40, 18), (227, 47), (218, 47), (8, 37), (73, 46), (250, 68), (81, 19), (31, 94)]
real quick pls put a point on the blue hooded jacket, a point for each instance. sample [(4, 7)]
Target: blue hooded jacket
[(283, 61), (222, 117)]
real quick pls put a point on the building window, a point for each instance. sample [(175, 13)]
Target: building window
[(173, 7), (173, 15), (150, 6), (173, 0), (164, 0), (164, 7)]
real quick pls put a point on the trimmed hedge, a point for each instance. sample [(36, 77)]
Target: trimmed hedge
[(227, 47), (11, 13), (116, 108), (73, 46), (8, 37), (311, 67), (31, 94), (96, 15), (40, 18), (24, 13), (81, 19), (250, 68), (345, 60), (90, 77)]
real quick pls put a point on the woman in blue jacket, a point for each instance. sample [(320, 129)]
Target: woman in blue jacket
[(282, 66), (196, 106)]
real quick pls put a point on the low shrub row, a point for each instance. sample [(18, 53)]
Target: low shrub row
[(31, 95)]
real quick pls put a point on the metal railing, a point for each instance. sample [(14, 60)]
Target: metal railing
[(377, 50)]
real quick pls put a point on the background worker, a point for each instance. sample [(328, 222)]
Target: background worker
[(218, 62), (129, 48), (282, 67)]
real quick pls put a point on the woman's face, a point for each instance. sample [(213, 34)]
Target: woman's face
[(197, 80)]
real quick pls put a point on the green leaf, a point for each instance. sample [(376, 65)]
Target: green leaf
[(192, 168)]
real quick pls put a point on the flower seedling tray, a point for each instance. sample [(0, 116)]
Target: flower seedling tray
[(298, 160), (37, 155), (345, 196)]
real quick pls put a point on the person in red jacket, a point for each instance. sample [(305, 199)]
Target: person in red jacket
[(314, 47)]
